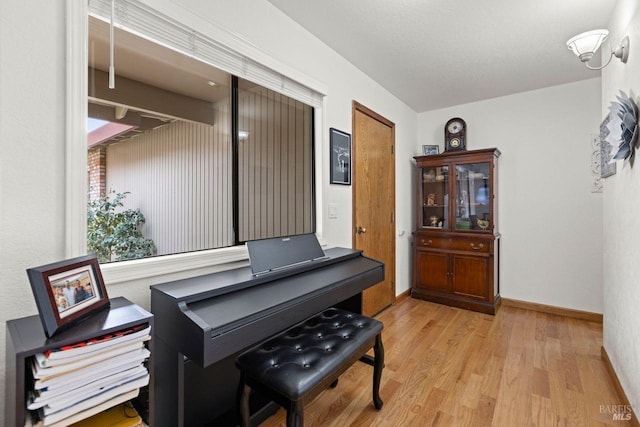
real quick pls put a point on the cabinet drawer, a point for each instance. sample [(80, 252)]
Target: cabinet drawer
[(470, 245), (433, 242), (454, 244)]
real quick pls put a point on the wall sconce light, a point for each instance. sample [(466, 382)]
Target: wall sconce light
[(586, 44)]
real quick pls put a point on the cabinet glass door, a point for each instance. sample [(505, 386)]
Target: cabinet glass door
[(435, 197), (473, 198)]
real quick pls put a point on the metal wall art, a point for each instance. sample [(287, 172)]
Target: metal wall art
[(607, 166), (622, 127), (597, 163)]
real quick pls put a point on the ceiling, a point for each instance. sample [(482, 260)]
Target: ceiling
[(439, 53)]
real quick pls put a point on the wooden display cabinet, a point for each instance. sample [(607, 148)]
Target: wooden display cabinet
[(456, 243)]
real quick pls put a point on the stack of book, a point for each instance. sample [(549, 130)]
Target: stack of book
[(77, 381)]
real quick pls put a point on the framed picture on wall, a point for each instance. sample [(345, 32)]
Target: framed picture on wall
[(67, 292), (340, 143)]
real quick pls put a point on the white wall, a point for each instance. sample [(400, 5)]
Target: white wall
[(32, 116), (550, 222), (32, 132), (622, 219)]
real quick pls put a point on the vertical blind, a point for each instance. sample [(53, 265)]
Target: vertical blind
[(275, 165), (179, 176)]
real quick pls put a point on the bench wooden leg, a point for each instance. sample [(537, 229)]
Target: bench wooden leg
[(378, 352), (295, 414), (242, 401)]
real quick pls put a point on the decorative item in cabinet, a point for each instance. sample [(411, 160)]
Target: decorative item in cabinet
[(434, 196), (456, 240)]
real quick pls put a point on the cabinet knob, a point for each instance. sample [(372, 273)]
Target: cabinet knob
[(476, 248), (427, 242)]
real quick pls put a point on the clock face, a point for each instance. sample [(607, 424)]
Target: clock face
[(454, 127), (455, 130)]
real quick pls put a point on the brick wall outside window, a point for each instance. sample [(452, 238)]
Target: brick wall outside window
[(97, 172)]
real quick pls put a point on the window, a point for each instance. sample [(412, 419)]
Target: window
[(210, 160)]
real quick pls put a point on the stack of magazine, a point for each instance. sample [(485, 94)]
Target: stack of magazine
[(77, 381)]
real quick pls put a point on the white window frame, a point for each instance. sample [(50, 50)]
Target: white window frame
[(255, 65)]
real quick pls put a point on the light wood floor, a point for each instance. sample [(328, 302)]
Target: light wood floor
[(452, 367)]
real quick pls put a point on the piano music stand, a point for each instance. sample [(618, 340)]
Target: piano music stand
[(268, 255)]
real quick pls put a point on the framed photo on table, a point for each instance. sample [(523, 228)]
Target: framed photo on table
[(340, 143), (67, 292)]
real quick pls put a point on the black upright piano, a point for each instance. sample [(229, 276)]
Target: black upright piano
[(203, 323)]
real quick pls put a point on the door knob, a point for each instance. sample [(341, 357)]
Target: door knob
[(361, 230)]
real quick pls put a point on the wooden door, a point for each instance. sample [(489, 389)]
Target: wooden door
[(373, 167)]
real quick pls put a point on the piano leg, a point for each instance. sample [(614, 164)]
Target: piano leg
[(168, 385), (244, 391)]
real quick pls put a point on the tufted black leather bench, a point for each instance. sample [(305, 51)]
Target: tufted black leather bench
[(294, 366)]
